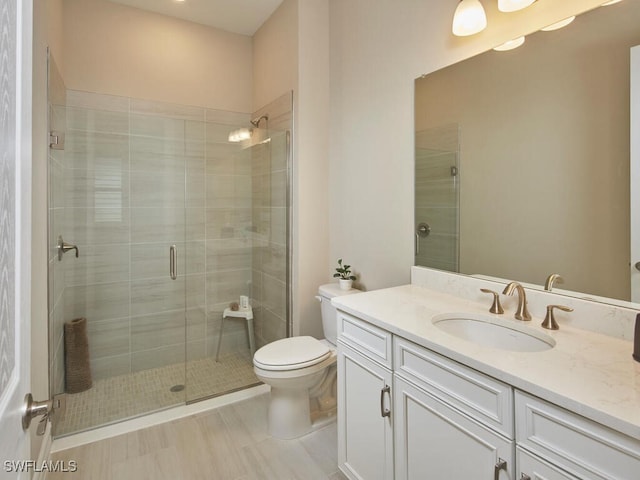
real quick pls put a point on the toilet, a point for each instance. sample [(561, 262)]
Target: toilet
[(301, 372)]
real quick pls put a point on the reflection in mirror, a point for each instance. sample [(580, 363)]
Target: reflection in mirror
[(538, 139), (437, 198)]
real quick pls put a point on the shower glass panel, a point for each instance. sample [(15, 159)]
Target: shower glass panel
[(245, 254), (173, 223), (123, 203), (437, 198), (56, 213)]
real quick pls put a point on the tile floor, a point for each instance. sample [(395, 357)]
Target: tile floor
[(125, 396), (228, 443)]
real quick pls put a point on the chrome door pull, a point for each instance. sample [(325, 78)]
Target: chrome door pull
[(173, 262), (384, 412), (501, 465)]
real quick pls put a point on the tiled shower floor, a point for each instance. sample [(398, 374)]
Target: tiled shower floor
[(125, 396)]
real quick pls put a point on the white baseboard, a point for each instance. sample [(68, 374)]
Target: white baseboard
[(150, 420)]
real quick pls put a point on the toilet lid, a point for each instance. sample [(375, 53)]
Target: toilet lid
[(291, 353)]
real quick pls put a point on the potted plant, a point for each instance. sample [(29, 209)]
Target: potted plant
[(343, 273)]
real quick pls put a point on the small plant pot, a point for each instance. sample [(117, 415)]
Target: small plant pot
[(345, 284)]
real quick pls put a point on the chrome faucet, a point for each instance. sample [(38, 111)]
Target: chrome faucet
[(551, 279), (521, 313)]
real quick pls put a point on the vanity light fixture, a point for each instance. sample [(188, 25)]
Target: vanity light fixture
[(513, 5), (510, 45), (469, 18), (558, 25)]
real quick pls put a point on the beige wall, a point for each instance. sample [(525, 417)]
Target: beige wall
[(311, 174), (291, 52), (113, 49), (275, 55), (378, 49)]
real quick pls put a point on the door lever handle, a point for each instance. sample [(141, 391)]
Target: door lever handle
[(64, 247)]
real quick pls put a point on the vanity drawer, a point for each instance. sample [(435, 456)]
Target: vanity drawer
[(479, 396), (536, 468), (367, 339), (579, 445)]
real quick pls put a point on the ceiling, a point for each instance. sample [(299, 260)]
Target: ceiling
[(238, 16)]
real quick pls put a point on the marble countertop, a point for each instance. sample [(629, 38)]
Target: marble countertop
[(588, 373)]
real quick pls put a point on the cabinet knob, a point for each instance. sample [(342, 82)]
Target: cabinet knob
[(524, 476)]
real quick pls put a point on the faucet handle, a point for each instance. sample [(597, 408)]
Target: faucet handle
[(550, 320), (495, 306)]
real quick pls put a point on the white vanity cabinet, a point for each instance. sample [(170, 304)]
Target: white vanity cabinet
[(406, 412), (365, 423), (450, 421), (566, 442)]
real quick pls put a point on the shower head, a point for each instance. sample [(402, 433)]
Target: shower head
[(244, 134), (256, 121)]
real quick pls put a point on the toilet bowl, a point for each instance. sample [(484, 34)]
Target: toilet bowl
[(301, 372)]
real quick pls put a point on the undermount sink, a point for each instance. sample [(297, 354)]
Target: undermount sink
[(504, 334)]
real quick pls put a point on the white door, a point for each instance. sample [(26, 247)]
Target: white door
[(635, 173), (16, 29)]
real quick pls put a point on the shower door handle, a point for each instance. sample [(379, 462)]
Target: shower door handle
[(173, 263)]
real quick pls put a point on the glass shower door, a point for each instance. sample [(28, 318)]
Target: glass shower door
[(166, 159), (118, 192)]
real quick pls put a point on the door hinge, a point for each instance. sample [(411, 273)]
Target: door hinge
[(56, 140)]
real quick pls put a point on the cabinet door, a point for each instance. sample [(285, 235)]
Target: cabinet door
[(433, 441), (365, 435), (531, 467)]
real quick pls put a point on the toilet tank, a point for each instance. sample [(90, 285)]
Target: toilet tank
[(329, 312)]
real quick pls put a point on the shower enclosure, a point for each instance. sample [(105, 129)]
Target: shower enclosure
[(437, 198), (172, 224)]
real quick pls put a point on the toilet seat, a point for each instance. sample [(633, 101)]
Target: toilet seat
[(291, 353)]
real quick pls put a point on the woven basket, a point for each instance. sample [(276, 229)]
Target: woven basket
[(77, 367)]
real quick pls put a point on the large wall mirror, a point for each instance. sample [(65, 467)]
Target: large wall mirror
[(523, 158)]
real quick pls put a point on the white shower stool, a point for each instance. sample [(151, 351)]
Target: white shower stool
[(247, 314)]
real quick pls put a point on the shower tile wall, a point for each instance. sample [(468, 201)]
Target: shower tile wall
[(269, 202), (127, 166), (437, 197), (228, 223)]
